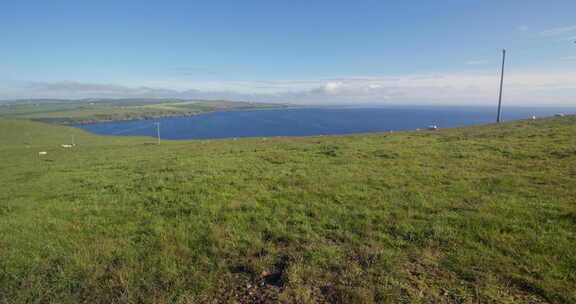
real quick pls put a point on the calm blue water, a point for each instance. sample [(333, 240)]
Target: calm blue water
[(302, 122)]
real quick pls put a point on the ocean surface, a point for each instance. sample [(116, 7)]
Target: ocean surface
[(317, 121)]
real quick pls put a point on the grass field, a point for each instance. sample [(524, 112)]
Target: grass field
[(482, 214)]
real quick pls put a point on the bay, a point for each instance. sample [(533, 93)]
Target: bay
[(314, 121)]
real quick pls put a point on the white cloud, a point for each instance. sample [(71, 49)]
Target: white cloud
[(523, 28), (568, 58), (333, 87), (450, 88), (559, 31)]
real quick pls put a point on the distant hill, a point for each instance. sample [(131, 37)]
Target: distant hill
[(59, 111)]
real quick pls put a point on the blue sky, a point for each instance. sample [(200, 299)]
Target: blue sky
[(315, 52)]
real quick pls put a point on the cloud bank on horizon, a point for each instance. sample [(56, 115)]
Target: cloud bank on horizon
[(446, 89)]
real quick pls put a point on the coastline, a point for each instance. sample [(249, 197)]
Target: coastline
[(308, 123), (169, 115)]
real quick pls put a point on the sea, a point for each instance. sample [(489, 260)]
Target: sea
[(315, 121)]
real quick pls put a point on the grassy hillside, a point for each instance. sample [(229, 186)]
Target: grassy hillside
[(466, 215), (90, 111)]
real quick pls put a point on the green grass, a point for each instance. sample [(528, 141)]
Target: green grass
[(481, 214)]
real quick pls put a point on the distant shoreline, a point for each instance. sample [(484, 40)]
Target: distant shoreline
[(173, 115), (81, 122), (91, 122)]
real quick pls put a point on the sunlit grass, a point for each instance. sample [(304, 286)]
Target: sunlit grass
[(478, 214)]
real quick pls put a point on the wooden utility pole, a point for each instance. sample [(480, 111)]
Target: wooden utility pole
[(501, 83)]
